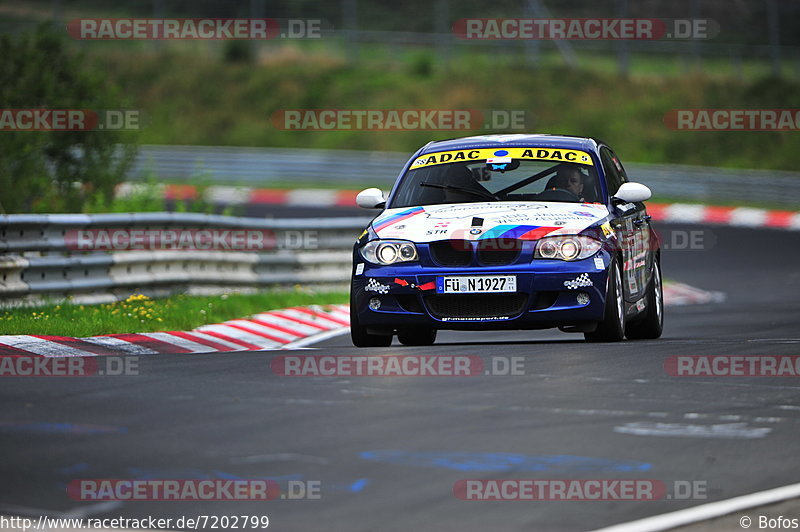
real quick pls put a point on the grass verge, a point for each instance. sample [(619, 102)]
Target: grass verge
[(628, 112), (139, 313)]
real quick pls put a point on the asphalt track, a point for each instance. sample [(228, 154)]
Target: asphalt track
[(388, 451)]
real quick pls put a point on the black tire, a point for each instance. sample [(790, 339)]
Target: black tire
[(612, 328), (417, 336), (652, 324), (360, 336)]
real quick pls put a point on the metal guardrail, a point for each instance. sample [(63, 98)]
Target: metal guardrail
[(37, 257), (718, 185), (349, 168)]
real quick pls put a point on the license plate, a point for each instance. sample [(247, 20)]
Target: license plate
[(473, 284)]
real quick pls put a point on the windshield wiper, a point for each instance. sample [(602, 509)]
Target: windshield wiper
[(479, 193), (526, 181)]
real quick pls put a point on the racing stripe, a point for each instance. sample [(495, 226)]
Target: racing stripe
[(537, 233), (521, 232), (394, 218)]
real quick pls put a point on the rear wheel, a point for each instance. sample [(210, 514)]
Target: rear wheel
[(360, 336), (417, 336), (612, 328), (651, 326)]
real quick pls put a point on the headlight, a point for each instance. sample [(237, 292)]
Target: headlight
[(570, 247), (385, 252)]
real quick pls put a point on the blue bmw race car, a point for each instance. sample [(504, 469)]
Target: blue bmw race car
[(507, 232)]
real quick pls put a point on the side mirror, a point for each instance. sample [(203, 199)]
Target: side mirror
[(633, 193), (370, 198)]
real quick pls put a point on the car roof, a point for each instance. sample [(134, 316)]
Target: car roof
[(514, 140)]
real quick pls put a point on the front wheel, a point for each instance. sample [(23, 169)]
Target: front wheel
[(651, 326), (417, 336), (612, 328)]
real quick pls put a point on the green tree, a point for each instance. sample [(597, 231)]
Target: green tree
[(56, 171)]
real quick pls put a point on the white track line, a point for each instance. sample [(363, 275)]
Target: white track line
[(706, 511)]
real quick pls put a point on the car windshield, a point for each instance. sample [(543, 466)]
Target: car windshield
[(519, 180)]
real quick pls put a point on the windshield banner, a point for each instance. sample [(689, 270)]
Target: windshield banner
[(541, 154)]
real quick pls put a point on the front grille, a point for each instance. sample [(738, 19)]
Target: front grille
[(452, 252), (499, 251), (490, 252), (476, 306)]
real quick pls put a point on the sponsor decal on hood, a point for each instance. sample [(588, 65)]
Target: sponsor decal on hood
[(521, 220)]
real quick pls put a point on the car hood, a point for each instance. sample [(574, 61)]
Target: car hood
[(474, 221)]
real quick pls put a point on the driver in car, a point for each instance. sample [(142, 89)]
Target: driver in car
[(568, 178)]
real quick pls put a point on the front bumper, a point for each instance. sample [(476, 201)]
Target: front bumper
[(547, 296)]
